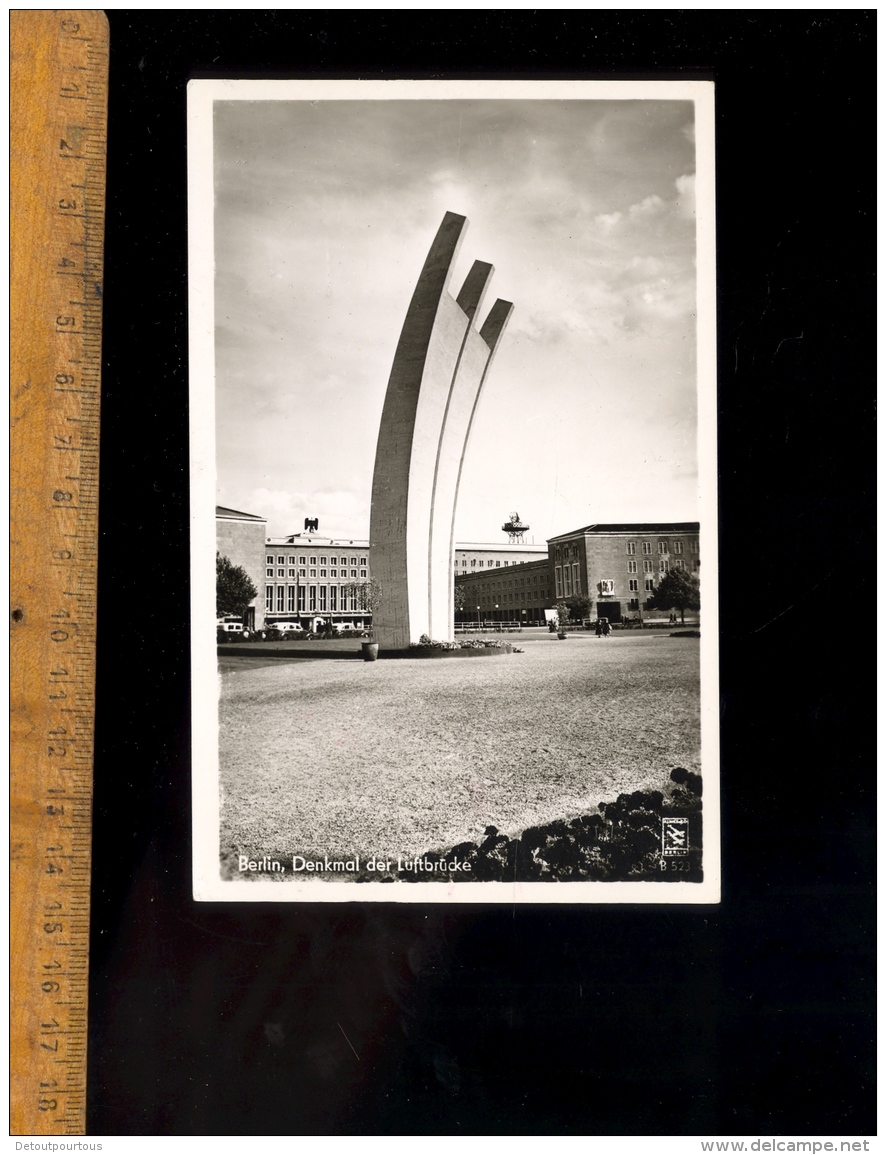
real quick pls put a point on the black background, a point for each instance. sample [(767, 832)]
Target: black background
[(755, 1016)]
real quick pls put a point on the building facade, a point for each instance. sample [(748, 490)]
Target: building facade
[(302, 577), (311, 579), (515, 592), (240, 537), (307, 582), (470, 557), (618, 566)]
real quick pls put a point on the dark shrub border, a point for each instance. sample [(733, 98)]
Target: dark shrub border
[(620, 844)]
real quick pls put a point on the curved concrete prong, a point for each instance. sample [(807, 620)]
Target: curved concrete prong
[(489, 337), (470, 299), (437, 269), (439, 368), (495, 323)]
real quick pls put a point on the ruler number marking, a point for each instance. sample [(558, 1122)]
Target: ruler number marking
[(58, 952)]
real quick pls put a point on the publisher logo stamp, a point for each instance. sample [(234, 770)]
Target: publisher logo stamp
[(674, 837)]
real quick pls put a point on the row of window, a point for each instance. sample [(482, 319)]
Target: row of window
[(481, 563), (532, 579), (663, 567), (332, 573), (633, 603), (538, 597), (649, 566), (565, 551), (306, 560), (307, 599), (500, 585), (676, 547), (506, 586), (522, 596), (513, 582), (566, 587)]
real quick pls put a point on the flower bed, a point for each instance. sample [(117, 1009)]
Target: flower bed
[(427, 648), (426, 643), (418, 651), (622, 843)]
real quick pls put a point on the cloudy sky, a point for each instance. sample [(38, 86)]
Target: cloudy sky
[(325, 211)]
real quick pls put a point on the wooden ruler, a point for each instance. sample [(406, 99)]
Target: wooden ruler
[(58, 124)]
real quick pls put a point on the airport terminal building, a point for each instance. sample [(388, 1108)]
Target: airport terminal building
[(617, 566), (306, 577), (312, 579)]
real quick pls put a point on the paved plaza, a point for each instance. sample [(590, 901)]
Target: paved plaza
[(337, 757)]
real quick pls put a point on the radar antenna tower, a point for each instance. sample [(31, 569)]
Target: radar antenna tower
[(515, 528)]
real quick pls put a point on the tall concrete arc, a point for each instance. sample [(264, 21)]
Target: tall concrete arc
[(440, 366)]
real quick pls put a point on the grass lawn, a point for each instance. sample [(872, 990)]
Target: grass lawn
[(338, 757)]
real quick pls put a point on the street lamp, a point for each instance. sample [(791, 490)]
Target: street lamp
[(478, 617), (496, 611)]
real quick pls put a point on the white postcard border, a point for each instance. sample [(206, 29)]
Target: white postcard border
[(208, 884)]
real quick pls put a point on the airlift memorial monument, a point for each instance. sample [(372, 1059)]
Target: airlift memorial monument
[(439, 370)]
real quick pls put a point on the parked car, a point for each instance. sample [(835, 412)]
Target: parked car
[(288, 627), (356, 629), (229, 627)]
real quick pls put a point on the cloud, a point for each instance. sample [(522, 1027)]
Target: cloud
[(325, 212), (686, 195), (648, 207), (608, 221), (645, 266)]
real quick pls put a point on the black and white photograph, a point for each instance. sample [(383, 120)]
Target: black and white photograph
[(622, 1009), (453, 491)]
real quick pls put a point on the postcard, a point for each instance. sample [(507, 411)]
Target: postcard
[(453, 491)]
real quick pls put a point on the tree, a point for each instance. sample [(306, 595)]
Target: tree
[(233, 588), (458, 601), (563, 614), (367, 594), (677, 590), (578, 606)]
